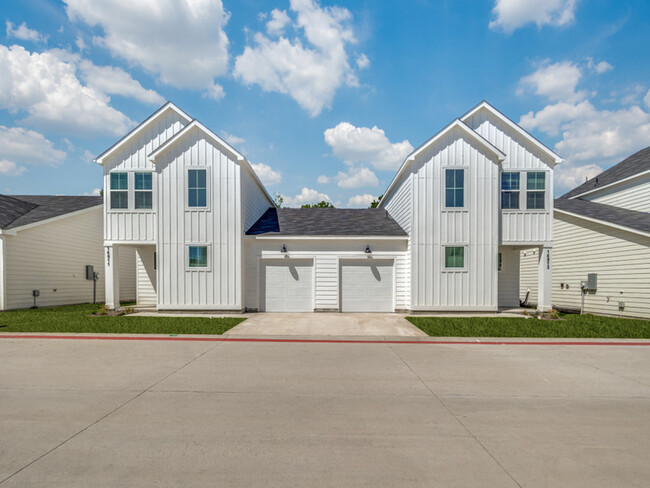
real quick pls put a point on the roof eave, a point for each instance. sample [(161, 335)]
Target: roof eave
[(603, 222), (609, 185)]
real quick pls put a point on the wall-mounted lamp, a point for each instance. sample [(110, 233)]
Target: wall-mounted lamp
[(284, 249), (368, 251)]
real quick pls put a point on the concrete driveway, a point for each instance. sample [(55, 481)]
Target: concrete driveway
[(326, 324), (143, 413)]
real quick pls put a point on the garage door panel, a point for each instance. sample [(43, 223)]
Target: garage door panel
[(287, 285), (367, 286)]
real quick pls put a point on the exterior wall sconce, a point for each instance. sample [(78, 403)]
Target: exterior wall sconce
[(284, 249), (368, 251)]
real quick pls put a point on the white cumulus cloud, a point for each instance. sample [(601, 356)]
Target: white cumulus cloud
[(279, 20), (310, 68), (115, 81), (568, 177), (28, 147), (267, 174), (366, 145), (509, 15), (9, 168), (357, 177), (646, 100), (557, 81), (24, 33), (181, 41), (46, 86), (307, 195), (361, 200)]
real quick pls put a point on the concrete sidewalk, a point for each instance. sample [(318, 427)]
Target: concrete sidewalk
[(91, 413)]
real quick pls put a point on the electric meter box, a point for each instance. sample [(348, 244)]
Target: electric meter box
[(592, 281), (90, 272)]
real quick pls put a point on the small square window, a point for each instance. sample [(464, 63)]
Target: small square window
[(119, 196), (198, 256), (119, 181), (454, 257)]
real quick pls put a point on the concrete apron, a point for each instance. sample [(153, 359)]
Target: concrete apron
[(326, 324)]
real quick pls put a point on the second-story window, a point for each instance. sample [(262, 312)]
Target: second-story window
[(143, 191), (509, 190), (119, 190), (535, 190), (454, 188), (197, 188)]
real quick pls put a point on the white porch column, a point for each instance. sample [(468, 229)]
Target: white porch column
[(3, 273), (545, 283), (112, 276)]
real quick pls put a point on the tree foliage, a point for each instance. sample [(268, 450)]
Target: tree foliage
[(375, 203), (322, 204)]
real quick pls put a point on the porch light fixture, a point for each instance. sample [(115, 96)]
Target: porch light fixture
[(368, 251), (284, 249)]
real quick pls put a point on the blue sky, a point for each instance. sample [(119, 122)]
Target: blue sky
[(325, 98)]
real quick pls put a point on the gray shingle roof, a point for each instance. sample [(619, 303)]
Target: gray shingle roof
[(19, 210), (635, 164), (607, 213), (326, 222)]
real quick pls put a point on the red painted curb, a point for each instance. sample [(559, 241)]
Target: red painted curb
[(325, 341)]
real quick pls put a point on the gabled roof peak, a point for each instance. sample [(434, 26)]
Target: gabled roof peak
[(167, 106)]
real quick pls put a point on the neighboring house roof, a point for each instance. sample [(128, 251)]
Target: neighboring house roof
[(607, 214), (516, 127), (142, 126), (20, 210), (634, 165), (456, 124), (326, 222)]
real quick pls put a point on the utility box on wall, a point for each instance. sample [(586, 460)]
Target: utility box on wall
[(592, 282), (90, 272)]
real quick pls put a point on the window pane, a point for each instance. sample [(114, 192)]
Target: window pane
[(510, 199), (119, 181), (143, 199), (454, 188), (201, 198), (454, 257), (510, 181), (536, 180), (143, 181), (198, 256), (119, 199), (535, 199), (196, 188)]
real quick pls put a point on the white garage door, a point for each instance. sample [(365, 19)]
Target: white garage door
[(287, 285), (367, 285)]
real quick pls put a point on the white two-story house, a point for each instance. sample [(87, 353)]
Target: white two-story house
[(446, 236)]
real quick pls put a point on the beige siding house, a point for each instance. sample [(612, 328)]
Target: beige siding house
[(603, 228), (45, 244)]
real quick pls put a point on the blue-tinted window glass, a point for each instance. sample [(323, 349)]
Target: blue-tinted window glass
[(455, 188), (119, 181), (536, 194), (143, 181), (198, 257), (196, 188)]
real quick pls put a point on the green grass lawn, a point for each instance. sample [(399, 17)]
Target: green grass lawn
[(573, 325), (77, 318)]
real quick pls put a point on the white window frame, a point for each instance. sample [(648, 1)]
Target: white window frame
[(443, 191), (153, 191), (546, 192), (445, 269), (208, 187), (520, 191), (187, 256), (127, 191)]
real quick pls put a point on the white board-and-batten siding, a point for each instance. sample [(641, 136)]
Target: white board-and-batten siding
[(400, 208), (631, 195), (51, 257), (254, 200), (326, 255), (219, 226), (518, 226), (130, 224), (475, 227), (621, 259)]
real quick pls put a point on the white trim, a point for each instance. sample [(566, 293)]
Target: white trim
[(129, 243), (485, 105), (605, 223), (619, 182), (3, 273), (444, 268), (12, 232), (457, 123), (443, 308), (327, 237), (189, 268), (167, 106), (208, 188)]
